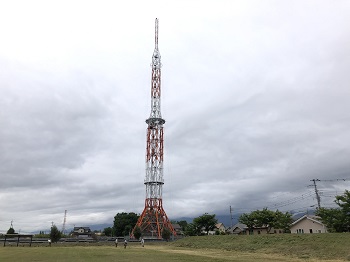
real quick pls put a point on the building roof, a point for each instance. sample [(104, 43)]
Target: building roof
[(177, 226), (309, 217), (86, 229), (218, 225), (239, 225)]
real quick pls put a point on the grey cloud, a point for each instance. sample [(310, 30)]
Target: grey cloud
[(255, 99)]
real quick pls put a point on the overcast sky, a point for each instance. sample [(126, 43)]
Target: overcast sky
[(255, 95)]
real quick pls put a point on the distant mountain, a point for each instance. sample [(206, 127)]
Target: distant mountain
[(99, 227), (95, 227), (298, 215), (225, 219)]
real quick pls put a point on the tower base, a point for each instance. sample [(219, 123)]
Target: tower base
[(154, 219)]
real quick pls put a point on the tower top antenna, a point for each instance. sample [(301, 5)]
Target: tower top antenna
[(156, 64), (156, 34)]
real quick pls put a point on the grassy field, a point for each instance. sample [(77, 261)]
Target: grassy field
[(292, 248), (304, 246)]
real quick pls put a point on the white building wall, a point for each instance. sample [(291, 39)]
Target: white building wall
[(307, 226)]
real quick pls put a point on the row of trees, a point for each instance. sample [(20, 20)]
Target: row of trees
[(125, 222), (267, 218)]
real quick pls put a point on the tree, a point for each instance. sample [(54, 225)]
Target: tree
[(11, 231), (332, 218), (108, 231), (192, 230), (267, 218), (183, 224), (337, 219), (124, 223), (283, 221), (166, 233), (343, 201), (55, 234), (263, 218), (206, 222), (128, 229), (137, 232), (248, 220)]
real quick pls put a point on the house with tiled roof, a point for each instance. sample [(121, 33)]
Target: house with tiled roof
[(82, 232), (237, 229), (178, 229)]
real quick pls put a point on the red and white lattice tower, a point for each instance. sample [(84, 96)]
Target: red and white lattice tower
[(153, 218)]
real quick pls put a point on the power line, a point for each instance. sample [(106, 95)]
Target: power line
[(332, 180), (282, 203), (318, 194), (324, 180), (292, 200)]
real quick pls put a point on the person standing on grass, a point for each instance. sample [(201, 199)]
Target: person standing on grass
[(49, 241), (125, 243), (116, 242), (142, 242)]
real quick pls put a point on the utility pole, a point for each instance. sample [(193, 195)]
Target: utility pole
[(326, 180), (231, 218), (316, 192)]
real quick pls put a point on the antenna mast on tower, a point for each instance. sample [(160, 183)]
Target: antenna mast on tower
[(153, 218)]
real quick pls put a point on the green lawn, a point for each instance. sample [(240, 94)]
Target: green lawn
[(279, 248), (99, 253), (316, 246)]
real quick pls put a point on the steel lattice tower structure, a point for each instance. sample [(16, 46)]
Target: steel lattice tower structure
[(153, 218)]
